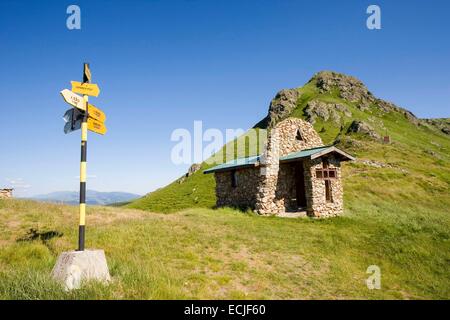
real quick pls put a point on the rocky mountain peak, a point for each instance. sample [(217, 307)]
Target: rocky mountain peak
[(345, 90), (350, 88), (353, 90)]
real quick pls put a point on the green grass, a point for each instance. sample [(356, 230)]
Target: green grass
[(227, 254), (195, 191)]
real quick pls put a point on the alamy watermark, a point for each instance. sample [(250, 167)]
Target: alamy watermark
[(374, 280), (373, 22), (214, 146), (73, 21)]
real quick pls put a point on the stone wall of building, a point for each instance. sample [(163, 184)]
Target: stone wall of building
[(268, 178), (244, 194), (283, 139), (286, 135), (315, 192), (6, 193)]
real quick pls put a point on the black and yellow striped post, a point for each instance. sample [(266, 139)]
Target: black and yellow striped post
[(83, 163)]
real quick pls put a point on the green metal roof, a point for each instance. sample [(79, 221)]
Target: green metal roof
[(303, 153), (237, 163), (316, 153), (308, 153)]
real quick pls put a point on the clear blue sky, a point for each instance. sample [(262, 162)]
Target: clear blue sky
[(163, 64)]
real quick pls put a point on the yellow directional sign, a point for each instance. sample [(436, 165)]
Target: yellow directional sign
[(73, 99), (96, 126), (89, 89), (96, 113)]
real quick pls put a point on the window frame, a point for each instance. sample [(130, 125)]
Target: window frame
[(330, 173)]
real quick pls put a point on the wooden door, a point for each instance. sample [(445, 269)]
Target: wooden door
[(300, 185)]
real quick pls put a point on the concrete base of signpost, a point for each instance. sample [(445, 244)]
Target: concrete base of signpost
[(75, 267)]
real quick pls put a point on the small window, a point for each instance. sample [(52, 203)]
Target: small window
[(298, 135), (325, 163), (328, 195), (319, 174), (234, 179), (326, 173)]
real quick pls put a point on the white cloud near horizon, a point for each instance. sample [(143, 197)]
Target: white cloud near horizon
[(18, 184)]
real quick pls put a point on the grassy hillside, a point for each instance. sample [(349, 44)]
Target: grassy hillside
[(417, 160), (204, 253), (195, 191)]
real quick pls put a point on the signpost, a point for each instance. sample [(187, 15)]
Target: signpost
[(86, 117), (73, 267)]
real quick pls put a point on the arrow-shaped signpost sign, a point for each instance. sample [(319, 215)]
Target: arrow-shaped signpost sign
[(96, 126), (96, 113), (73, 99), (73, 119), (89, 89)]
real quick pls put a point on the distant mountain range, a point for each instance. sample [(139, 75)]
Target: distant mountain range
[(92, 197)]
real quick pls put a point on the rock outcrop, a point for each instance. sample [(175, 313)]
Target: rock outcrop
[(350, 88), (363, 128), (193, 169), (442, 124), (282, 105), (325, 111)]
